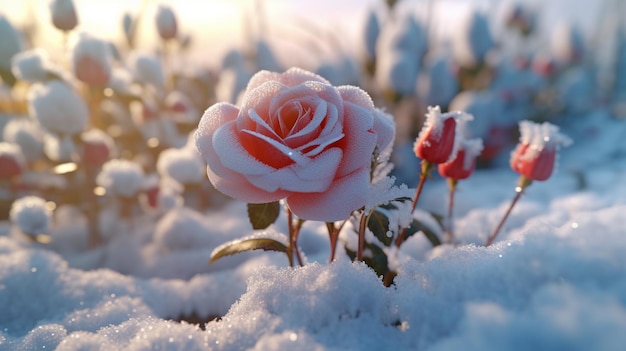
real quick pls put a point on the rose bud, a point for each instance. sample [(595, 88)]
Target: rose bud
[(63, 14), (97, 147), (166, 23), (436, 141), (12, 162), (91, 61), (535, 155), (463, 164)]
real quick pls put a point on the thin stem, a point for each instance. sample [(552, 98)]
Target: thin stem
[(450, 220), (290, 241), (426, 168), (333, 234), (524, 182), (361, 246), (295, 236)]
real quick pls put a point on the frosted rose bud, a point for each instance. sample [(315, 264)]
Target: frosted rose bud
[(91, 61), (463, 164), (97, 147), (12, 162), (436, 141), (535, 155), (298, 137), (166, 23), (57, 107), (63, 14)]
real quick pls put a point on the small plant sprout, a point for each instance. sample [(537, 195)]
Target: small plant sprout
[(31, 215), (458, 168), (436, 143), (534, 158)]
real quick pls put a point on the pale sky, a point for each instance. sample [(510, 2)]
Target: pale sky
[(218, 24)]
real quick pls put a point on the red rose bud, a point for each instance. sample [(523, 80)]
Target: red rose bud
[(535, 156), (91, 60), (12, 162), (463, 164), (436, 142), (152, 196), (98, 147), (63, 14)]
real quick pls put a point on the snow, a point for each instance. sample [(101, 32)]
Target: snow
[(57, 107), (31, 215), (121, 177)]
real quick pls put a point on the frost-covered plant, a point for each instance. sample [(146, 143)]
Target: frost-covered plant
[(124, 180), (27, 134), (58, 108), (166, 23), (32, 216), (91, 60), (12, 162), (458, 168), (299, 139), (437, 143), (534, 159), (34, 66), (63, 14)]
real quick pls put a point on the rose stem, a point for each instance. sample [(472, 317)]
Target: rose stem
[(426, 168), (524, 182), (333, 233), (293, 239), (449, 226)]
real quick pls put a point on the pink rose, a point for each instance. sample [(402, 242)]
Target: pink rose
[(296, 137)]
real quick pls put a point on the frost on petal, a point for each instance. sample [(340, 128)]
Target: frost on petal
[(356, 95), (337, 203), (315, 176), (360, 139), (292, 77)]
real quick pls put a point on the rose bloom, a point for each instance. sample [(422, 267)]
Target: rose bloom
[(436, 141), (297, 137), (63, 14), (463, 164), (535, 155)]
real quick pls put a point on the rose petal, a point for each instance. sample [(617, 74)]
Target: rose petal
[(385, 129), (356, 96), (316, 176), (258, 100), (294, 155), (233, 155), (359, 141), (291, 77), (224, 179), (214, 117), (337, 203), (237, 187)]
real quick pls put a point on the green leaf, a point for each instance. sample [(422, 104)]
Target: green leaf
[(263, 215), (377, 260), (417, 226), (237, 246), (378, 224)]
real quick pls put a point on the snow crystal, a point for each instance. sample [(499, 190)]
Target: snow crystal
[(121, 177)]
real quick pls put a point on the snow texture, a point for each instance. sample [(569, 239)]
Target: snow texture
[(27, 134), (121, 177), (147, 69), (31, 215), (183, 165), (57, 107)]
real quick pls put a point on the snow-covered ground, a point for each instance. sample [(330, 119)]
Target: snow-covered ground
[(554, 280)]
